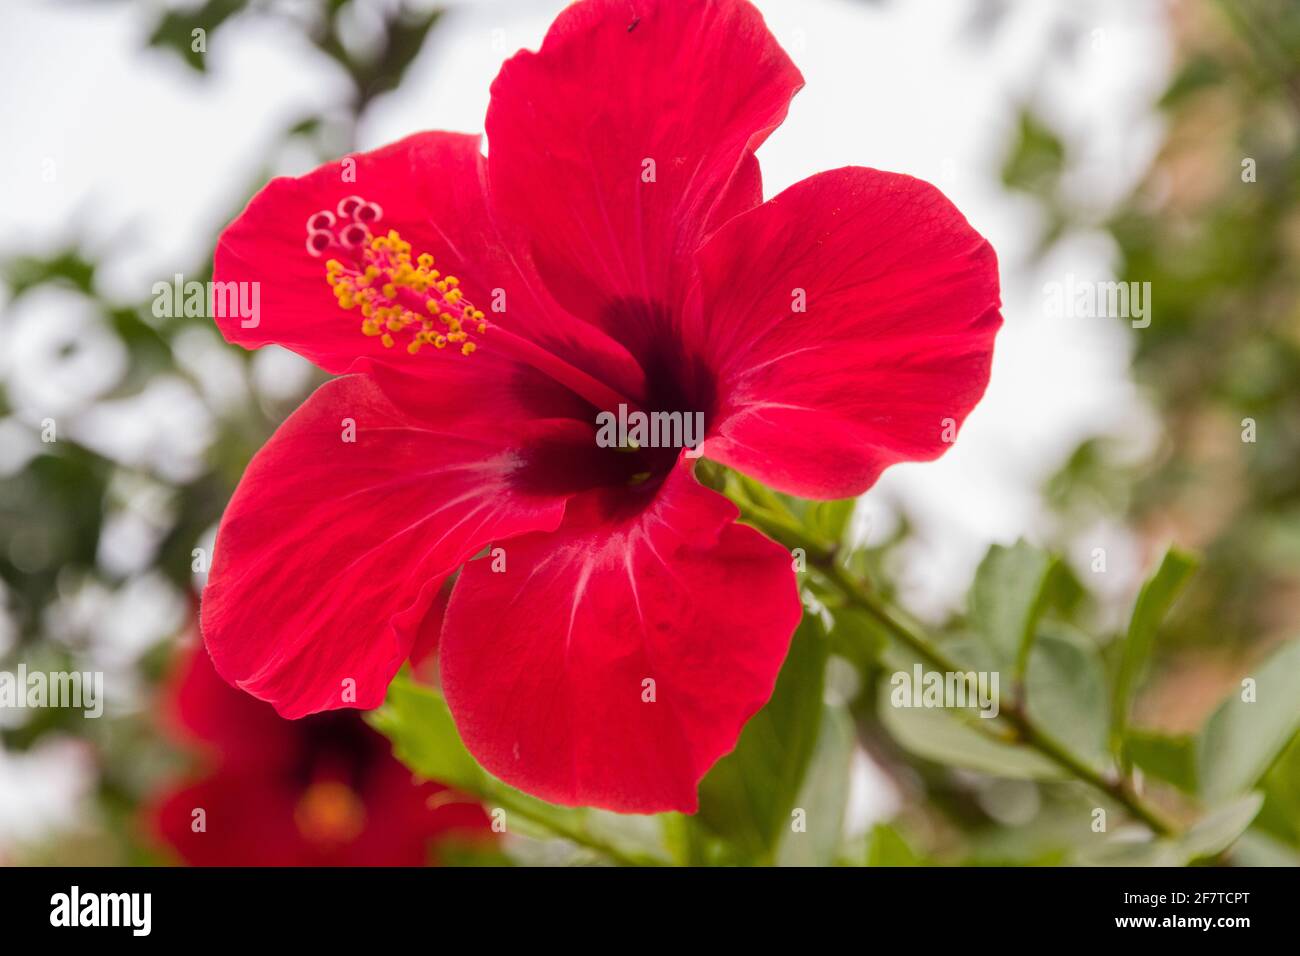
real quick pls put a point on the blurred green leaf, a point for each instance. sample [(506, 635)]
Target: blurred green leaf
[(1281, 814), (175, 29), (68, 267), (939, 736), (954, 737), (1242, 739), (858, 637), (823, 799), (1065, 687), (1204, 840), (1036, 159), (888, 848), (1007, 599), (829, 520), (404, 31), (1171, 759), (1258, 849), (1196, 74)]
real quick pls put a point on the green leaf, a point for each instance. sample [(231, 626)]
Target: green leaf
[(888, 848), (830, 519), (1281, 814), (1171, 759), (1258, 849), (175, 30), (1200, 71), (747, 797), (1036, 159), (424, 737), (1242, 739), (937, 735), (1217, 831), (858, 637), (1206, 839), (1153, 603), (1007, 599), (823, 799), (1065, 687), (416, 719), (953, 737)]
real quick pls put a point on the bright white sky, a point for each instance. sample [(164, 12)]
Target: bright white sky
[(147, 156)]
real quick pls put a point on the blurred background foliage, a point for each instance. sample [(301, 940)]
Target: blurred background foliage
[(89, 532)]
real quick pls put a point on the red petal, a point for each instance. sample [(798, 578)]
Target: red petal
[(689, 86), (330, 552), (543, 665), (266, 245), (894, 348), (424, 651)]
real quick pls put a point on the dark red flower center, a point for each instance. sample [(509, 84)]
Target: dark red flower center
[(679, 387), (337, 746), (406, 300)]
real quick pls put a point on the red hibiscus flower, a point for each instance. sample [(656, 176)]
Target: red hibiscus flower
[(321, 791), (612, 249)]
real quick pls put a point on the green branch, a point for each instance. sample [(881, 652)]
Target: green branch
[(783, 528)]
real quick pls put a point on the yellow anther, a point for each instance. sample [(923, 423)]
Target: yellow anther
[(403, 299)]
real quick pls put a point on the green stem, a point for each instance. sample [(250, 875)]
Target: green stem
[(784, 529)]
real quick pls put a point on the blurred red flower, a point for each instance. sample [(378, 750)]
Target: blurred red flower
[(613, 249), (321, 791)]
